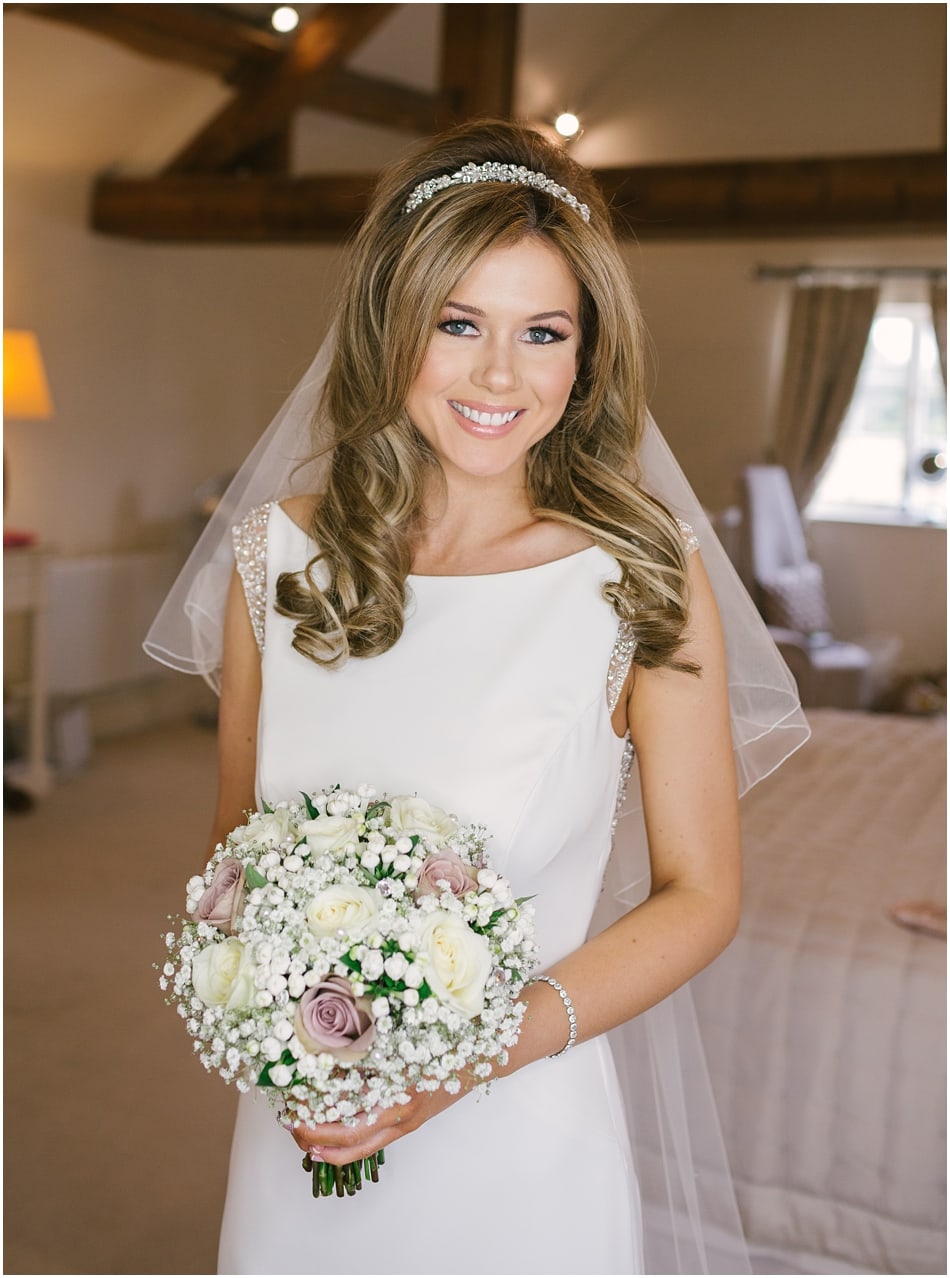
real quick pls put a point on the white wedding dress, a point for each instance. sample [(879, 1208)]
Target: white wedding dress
[(494, 704)]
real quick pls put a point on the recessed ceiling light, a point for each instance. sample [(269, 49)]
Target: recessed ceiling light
[(567, 125), (284, 19)]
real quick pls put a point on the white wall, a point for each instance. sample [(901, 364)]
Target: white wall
[(887, 580), (164, 364)]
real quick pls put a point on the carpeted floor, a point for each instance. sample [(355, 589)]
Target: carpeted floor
[(116, 1140)]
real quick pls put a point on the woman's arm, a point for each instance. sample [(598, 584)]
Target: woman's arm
[(679, 724), (237, 717)]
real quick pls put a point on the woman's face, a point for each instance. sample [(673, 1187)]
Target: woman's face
[(500, 365)]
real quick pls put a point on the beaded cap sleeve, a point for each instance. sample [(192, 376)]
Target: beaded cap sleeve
[(626, 642), (250, 555), (689, 537)]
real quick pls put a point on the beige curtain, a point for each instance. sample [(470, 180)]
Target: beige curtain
[(826, 340), (938, 304)]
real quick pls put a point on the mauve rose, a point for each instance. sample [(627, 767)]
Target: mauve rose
[(331, 1018), (221, 902), (448, 866)]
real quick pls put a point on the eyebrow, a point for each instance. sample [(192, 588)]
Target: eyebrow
[(542, 315)]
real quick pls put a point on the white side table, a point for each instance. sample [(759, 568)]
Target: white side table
[(25, 591)]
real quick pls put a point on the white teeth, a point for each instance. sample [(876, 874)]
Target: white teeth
[(485, 419)]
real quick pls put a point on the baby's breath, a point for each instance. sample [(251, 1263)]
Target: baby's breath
[(245, 1023)]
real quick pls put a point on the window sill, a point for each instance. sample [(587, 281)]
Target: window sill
[(875, 516)]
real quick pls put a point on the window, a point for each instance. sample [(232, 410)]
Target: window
[(890, 459)]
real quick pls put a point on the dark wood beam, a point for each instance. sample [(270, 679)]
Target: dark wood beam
[(205, 37), (832, 195), (479, 46), (362, 97), (231, 209), (266, 100), (869, 195)]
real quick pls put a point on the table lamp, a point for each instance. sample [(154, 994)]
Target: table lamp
[(26, 397)]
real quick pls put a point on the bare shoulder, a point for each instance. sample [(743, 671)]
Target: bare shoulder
[(300, 509)]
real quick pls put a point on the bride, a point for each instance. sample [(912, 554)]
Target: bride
[(481, 598)]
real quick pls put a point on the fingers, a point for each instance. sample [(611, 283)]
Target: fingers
[(339, 1144)]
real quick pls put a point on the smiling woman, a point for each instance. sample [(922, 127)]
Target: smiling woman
[(482, 599), (500, 367)]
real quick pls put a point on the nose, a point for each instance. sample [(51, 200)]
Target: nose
[(497, 370)]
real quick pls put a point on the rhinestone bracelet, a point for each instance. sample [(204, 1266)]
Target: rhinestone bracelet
[(568, 1007)]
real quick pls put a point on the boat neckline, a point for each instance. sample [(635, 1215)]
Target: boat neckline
[(463, 576)]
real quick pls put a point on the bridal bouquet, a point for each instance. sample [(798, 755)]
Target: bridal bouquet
[(344, 950)]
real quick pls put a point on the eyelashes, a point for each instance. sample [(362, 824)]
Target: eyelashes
[(536, 335)]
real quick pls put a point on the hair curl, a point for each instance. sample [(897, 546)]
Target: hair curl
[(583, 474)]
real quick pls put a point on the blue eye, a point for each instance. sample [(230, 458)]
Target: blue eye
[(456, 327), (540, 336)]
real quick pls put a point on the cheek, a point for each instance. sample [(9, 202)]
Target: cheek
[(438, 369), (559, 378)]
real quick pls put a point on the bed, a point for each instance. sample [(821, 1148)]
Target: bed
[(824, 1022)]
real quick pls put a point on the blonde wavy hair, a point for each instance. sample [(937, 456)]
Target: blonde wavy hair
[(350, 599)]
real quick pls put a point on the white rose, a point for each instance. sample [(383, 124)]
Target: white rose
[(330, 833), (244, 989), (352, 908), (458, 964), (270, 827), (414, 816), (223, 974)]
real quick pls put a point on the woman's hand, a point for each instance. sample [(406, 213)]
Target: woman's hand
[(340, 1143)]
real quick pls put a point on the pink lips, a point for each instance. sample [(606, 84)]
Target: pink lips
[(486, 432)]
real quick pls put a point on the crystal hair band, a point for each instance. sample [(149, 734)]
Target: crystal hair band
[(516, 174)]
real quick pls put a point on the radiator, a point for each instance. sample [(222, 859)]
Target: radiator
[(100, 607)]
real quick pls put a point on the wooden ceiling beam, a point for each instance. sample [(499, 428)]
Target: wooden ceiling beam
[(872, 195), (479, 47), (265, 101), (831, 195), (214, 208), (204, 37), (362, 97)]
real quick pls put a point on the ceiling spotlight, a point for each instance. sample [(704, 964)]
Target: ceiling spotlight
[(284, 19), (567, 125)]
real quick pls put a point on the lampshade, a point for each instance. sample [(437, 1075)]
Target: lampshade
[(25, 389)]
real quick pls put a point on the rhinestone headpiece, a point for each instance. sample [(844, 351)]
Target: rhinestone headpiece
[(492, 172)]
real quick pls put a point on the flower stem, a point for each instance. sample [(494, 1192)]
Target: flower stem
[(328, 1180)]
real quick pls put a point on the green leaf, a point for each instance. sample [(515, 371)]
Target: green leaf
[(253, 877), (312, 812), (266, 807), (377, 809)]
